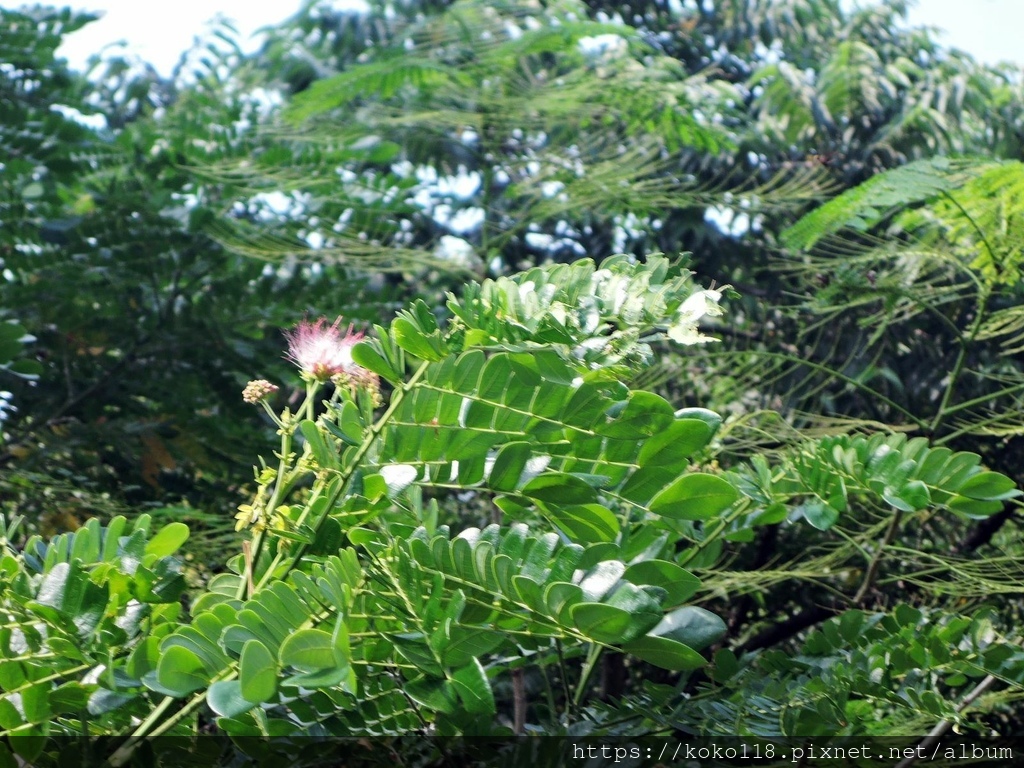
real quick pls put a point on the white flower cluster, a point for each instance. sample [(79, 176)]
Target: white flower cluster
[(701, 304)]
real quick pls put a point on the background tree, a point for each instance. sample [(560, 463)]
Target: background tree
[(501, 135), (145, 327)]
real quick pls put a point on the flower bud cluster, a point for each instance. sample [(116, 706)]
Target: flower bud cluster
[(258, 390)]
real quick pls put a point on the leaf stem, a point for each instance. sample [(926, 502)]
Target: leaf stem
[(984, 398), (353, 465), (563, 673), (124, 752), (593, 655), (723, 523), (961, 359), (282, 482), (936, 733), (48, 679)]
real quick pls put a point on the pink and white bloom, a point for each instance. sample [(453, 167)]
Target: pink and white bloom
[(323, 351)]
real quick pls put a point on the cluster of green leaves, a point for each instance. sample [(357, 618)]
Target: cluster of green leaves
[(910, 290), (903, 475), (81, 613), (864, 674), (398, 639), (555, 439), (929, 253), (31, 133), (391, 584), (906, 660), (357, 611)]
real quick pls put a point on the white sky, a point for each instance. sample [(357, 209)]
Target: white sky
[(158, 32), (990, 30)]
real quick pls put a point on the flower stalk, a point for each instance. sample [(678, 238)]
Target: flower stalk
[(323, 353)]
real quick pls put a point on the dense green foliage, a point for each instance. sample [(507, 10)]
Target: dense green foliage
[(559, 487)]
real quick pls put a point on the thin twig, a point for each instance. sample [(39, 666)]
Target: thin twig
[(518, 702), (939, 730), (872, 572)]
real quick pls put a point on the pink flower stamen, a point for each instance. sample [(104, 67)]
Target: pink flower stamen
[(323, 351)]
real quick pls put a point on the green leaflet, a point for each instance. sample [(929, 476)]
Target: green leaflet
[(665, 653), (679, 584), (473, 688), (363, 354), (226, 699), (989, 486), (612, 625), (673, 642), (508, 466), (325, 457), (692, 625), (181, 671), (257, 672), (167, 540), (694, 497), (585, 523)]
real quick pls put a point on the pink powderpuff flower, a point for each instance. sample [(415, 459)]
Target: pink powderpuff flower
[(323, 351)]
